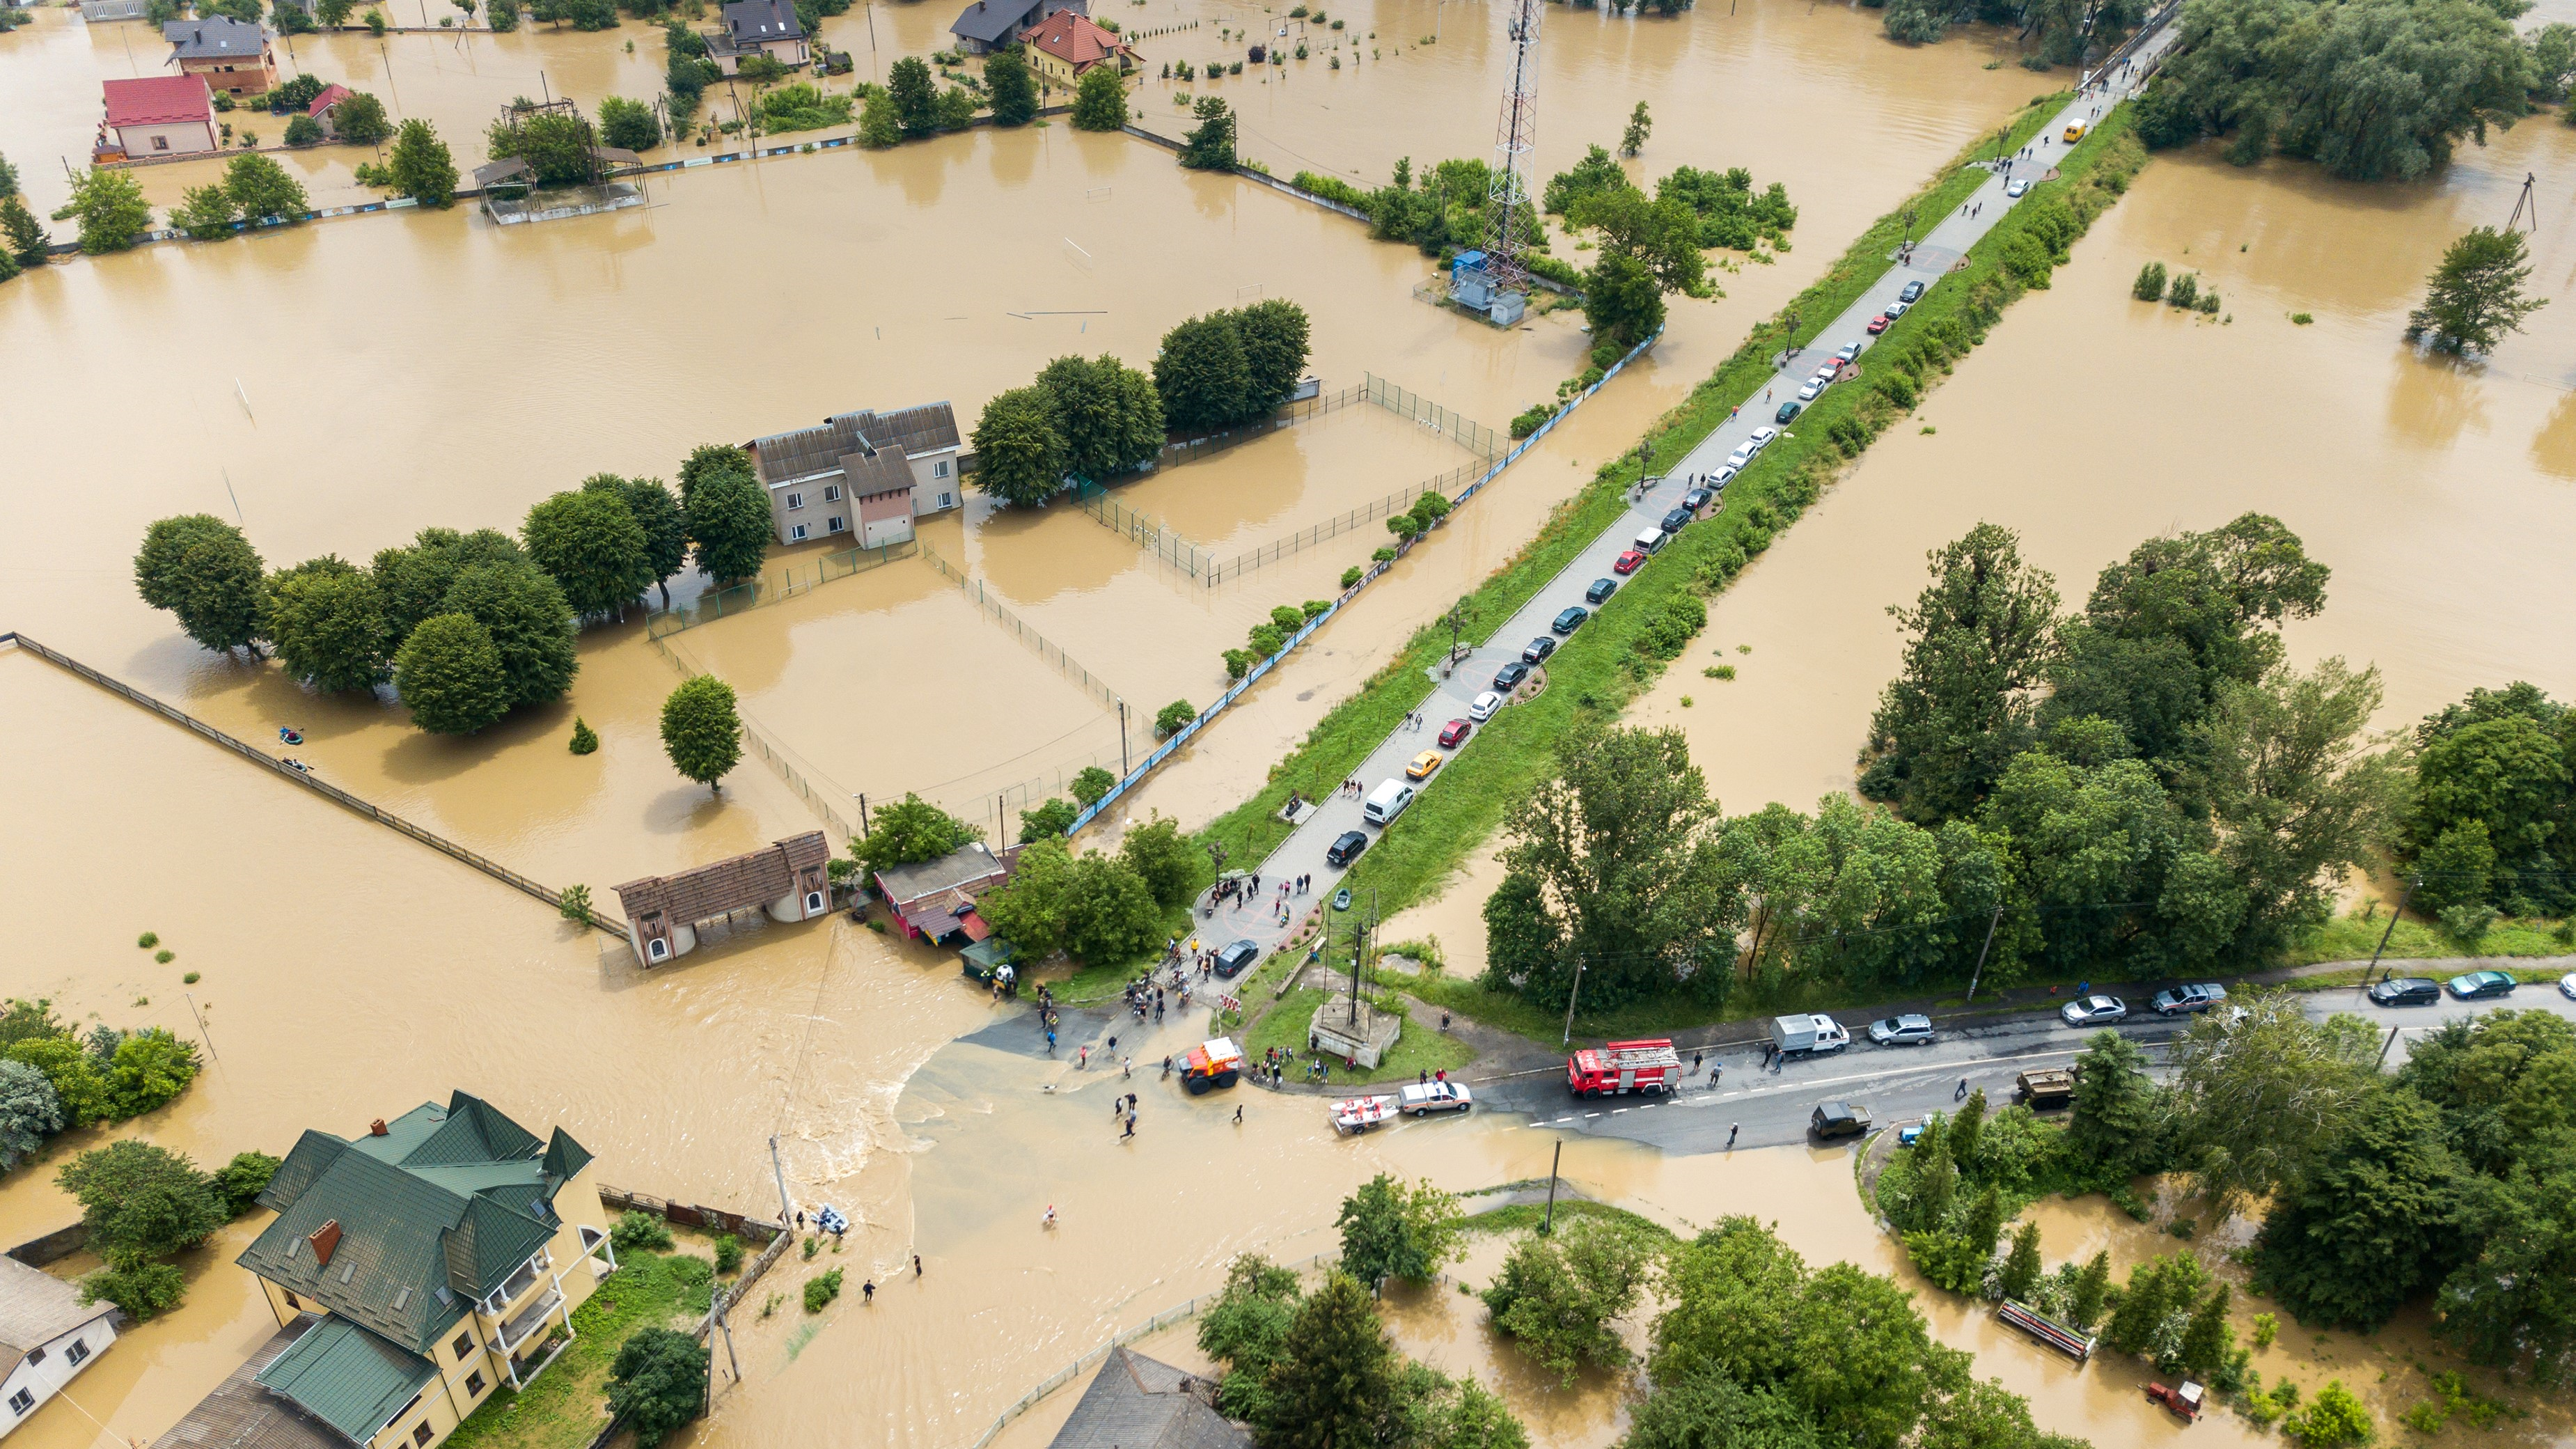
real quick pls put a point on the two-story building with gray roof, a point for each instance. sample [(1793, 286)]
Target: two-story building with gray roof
[(865, 474)]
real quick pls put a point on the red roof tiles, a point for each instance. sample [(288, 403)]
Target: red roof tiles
[(158, 100), (1075, 39), (332, 95)]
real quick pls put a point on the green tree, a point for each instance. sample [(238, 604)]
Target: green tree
[(30, 1111), (1661, 234), (1597, 172), (1172, 718), (415, 579), (1100, 101), (908, 832), (2507, 1306), (140, 1202), (729, 522), (1979, 639), (1203, 375), (327, 621), (700, 730), (449, 672), (592, 547), (80, 1087), (333, 13), (110, 208), (1335, 1386), (880, 124), (1165, 859), (1091, 783), (2021, 1269), (1209, 145), (1274, 338), (263, 190), (421, 166), (1022, 455), (1110, 913), (1967, 1130), (2092, 1290), (205, 213), (2208, 1341), (1706, 1410), (658, 1383), (28, 240), (239, 1183), (1558, 1295), (555, 143), (2259, 1090), (1622, 300), (360, 119), (302, 130), (2334, 1419), (1390, 1230), (628, 125), (1051, 817), (2114, 1129), (1107, 414), (1246, 1331), (916, 103), (203, 570), (530, 625), (1014, 91), (666, 529), (1623, 844), (1640, 125)]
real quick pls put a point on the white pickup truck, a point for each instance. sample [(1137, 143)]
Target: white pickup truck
[(1808, 1035), (1421, 1099)]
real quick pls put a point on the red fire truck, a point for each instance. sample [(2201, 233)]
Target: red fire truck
[(1625, 1066)]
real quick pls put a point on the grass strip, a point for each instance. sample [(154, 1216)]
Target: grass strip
[(1524, 1216), (568, 1404), (1416, 1050), (1447, 823)]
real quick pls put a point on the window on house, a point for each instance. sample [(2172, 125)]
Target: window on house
[(35, 1356), (463, 1345), (657, 948), (21, 1401), (474, 1383), (795, 501), (939, 469), (160, 143), (420, 1435), (78, 1353), (831, 492), (796, 533), (813, 902), (834, 524), (947, 500)]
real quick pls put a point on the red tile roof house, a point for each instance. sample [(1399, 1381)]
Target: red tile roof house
[(326, 103), (789, 879), (1067, 43), (934, 901), (162, 115)]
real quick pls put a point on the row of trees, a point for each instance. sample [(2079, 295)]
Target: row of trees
[(1731, 214), (1094, 907), (1648, 246), (2281, 76), (2055, 32)]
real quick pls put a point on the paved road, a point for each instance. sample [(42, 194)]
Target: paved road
[(1302, 853), (1901, 1083)]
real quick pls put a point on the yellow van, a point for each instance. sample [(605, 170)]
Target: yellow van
[(2074, 132)]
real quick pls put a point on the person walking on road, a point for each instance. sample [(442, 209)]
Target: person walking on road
[(1731, 1129), (1962, 1092), (868, 1291), (916, 1265)]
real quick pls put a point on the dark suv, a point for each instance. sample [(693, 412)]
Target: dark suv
[(1345, 849), (1839, 1119), (1677, 519), (1235, 957)]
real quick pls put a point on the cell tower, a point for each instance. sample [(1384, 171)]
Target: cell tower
[(1496, 281)]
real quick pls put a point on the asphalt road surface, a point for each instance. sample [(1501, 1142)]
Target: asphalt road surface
[(1900, 1084), (1940, 248)]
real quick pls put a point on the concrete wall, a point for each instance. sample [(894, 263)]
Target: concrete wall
[(183, 138)]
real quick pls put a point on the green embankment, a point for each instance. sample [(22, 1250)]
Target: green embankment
[(566, 1407), (1592, 676)]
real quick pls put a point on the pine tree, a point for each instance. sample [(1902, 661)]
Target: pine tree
[(27, 236), (584, 740), (2208, 1341), (2021, 1270), (1985, 1221), (1335, 1387), (2091, 1287), (1966, 1130)]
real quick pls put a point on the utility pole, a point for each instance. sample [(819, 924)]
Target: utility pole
[(1547, 1224), (1982, 950), (1124, 769), (2384, 1046), (2527, 199), (201, 1025), (1571, 993), (786, 1214), (2402, 898)]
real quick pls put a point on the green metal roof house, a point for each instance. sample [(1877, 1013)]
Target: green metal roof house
[(444, 1252)]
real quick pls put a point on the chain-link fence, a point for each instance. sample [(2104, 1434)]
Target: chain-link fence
[(1039, 644), (819, 792), (1143, 531), (1466, 432), (787, 583)]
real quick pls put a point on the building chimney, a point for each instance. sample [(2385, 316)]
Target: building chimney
[(324, 1239), (376, 1128)]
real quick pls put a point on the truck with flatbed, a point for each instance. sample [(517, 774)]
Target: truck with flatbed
[(1808, 1035)]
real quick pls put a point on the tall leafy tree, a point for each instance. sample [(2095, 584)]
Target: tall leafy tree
[(1274, 337), (591, 545), (360, 120), (2373, 1221), (414, 579), (2117, 1122), (916, 101), (1558, 1296), (657, 1383), (204, 570), (2259, 1090), (1106, 413), (449, 672), (420, 165), (1335, 1386), (1209, 146), (1622, 300), (139, 1201), (1203, 375), (701, 731), (110, 208), (1164, 859), (657, 512), (1021, 454), (1013, 89), (1662, 235), (1100, 100), (28, 240), (30, 1111), (1979, 639), (327, 619), (528, 621), (730, 525), (1394, 1230), (909, 831), (2475, 297), (263, 189)]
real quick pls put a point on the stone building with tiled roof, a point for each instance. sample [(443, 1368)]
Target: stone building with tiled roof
[(437, 1256), (1064, 45), (790, 879)]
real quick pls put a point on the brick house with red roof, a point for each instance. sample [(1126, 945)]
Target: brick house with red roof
[(162, 115), (1066, 44)]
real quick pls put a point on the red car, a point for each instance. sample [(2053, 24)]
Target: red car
[(1454, 733), (1629, 562), (1877, 325)]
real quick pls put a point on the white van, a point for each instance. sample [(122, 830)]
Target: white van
[(1386, 802), (1651, 541)]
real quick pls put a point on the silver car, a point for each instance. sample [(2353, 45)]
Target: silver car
[(1912, 1030), (2095, 1011)]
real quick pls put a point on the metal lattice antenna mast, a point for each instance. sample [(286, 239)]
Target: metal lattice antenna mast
[(1509, 212), (2526, 203)]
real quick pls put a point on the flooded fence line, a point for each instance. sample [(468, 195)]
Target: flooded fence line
[(1038, 644), (820, 794), (1430, 415), (484, 863), (743, 597), (1143, 530)]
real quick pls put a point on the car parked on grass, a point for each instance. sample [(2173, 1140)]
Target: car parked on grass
[(1628, 562), (1482, 707), (1569, 618), (1421, 1099), (1913, 1029), (1601, 589), (2184, 1000), (2018, 186), (1676, 520), (2481, 985), (1789, 411), (1913, 293), (1345, 848), (1236, 956), (2095, 1011), (1877, 324), (1421, 765), (1839, 1119), (1454, 733), (2408, 991), (1538, 649), (1509, 677)]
